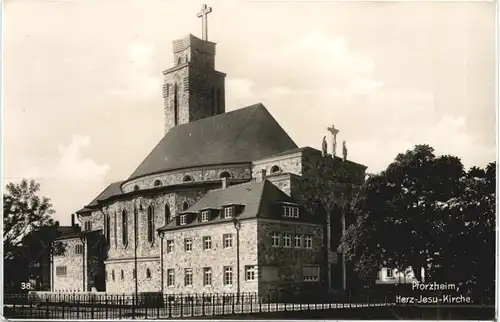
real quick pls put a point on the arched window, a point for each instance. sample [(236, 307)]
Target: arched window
[(157, 183), (224, 174), (113, 275), (148, 273), (136, 188), (179, 60), (185, 205), (167, 214), (122, 276), (187, 60), (108, 228), (187, 178), (275, 169), (124, 228), (134, 274), (151, 224)]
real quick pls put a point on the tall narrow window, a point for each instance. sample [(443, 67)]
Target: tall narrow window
[(151, 224), (108, 228), (228, 275), (124, 228), (122, 275), (213, 102), (148, 273), (185, 205), (219, 101), (115, 235), (167, 214), (176, 106), (113, 275), (170, 277)]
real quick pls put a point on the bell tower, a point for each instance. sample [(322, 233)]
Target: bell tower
[(193, 89)]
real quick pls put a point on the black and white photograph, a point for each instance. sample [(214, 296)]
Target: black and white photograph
[(275, 160)]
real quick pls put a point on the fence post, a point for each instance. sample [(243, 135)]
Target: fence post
[(169, 307), (47, 309), (192, 305), (202, 304), (182, 305), (213, 299), (251, 302)]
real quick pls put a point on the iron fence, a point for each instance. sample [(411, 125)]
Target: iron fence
[(164, 306)]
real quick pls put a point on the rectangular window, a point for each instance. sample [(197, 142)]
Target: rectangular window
[(61, 271), (297, 241), (134, 274), (188, 244), (228, 212), (390, 272), (204, 216), (227, 240), (170, 277), (310, 273), (228, 275), (183, 219), (188, 277), (250, 273), (308, 241), (295, 212), (79, 249), (207, 276), (170, 246), (287, 240), (276, 239), (207, 243)]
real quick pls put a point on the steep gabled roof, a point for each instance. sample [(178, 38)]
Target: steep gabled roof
[(243, 135), (111, 190)]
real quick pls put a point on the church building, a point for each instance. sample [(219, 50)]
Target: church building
[(211, 209)]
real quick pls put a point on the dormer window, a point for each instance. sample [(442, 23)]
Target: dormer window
[(136, 188), (183, 219), (290, 212), (205, 215), (187, 179), (157, 183), (228, 212)]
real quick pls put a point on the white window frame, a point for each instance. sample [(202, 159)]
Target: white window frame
[(170, 277), (311, 278), (228, 212), (170, 246), (297, 241), (275, 239), (183, 220), (205, 215), (227, 275), (391, 275), (207, 276), (188, 244), (308, 241), (207, 242), (295, 212), (290, 212), (227, 240), (251, 273), (188, 277), (287, 240)]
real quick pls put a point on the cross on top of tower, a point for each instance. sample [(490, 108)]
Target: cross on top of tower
[(203, 14), (333, 130)]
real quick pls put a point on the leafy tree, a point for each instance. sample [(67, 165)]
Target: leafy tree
[(28, 232), (402, 211)]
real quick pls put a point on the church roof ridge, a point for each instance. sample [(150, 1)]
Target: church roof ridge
[(242, 135)]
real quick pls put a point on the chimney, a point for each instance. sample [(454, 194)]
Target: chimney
[(225, 183), (263, 174), (72, 220)]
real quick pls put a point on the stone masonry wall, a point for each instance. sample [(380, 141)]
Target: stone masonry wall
[(289, 260), (287, 164), (216, 258), (73, 281), (127, 284), (199, 174)]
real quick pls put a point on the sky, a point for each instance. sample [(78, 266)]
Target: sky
[(82, 80)]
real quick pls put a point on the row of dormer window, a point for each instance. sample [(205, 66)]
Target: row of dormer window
[(186, 178), (228, 212)]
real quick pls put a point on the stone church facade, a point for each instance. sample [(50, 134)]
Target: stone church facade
[(212, 208)]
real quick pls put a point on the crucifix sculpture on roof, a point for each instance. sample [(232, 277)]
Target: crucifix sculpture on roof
[(203, 14), (334, 133)]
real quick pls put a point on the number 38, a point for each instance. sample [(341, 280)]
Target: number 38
[(25, 286)]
